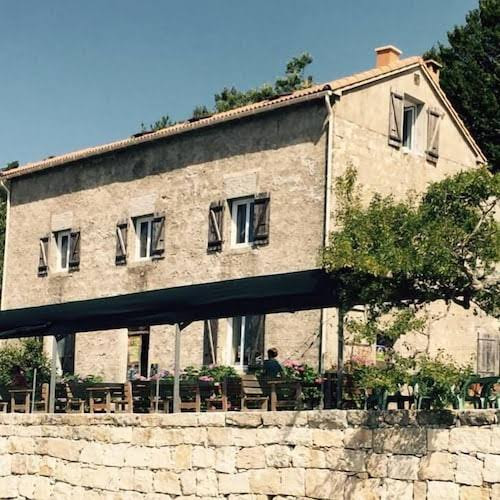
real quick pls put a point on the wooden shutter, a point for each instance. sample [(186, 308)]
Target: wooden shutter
[(74, 251), (43, 262), (158, 237), (433, 124), (68, 354), (488, 355), (261, 219), (396, 119), (121, 243), (215, 226)]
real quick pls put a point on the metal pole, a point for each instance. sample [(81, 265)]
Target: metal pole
[(177, 370), (157, 391), (211, 339), (33, 393), (53, 373), (340, 358)]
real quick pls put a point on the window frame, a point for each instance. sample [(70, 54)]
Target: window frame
[(249, 203), (138, 222), (142, 333), (413, 107), (240, 366), (59, 235)]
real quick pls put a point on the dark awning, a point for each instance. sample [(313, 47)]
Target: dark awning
[(256, 295)]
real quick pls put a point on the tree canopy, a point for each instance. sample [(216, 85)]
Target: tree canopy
[(442, 245), (471, 75), (230, 97)]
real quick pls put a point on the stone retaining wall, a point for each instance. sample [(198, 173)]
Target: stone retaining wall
[(399, 455)]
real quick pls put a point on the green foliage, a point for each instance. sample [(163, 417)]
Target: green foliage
[(87, 379), (439, 379), (230, 97), (28, 355), (471, 74), (443, 246), (211, 373)]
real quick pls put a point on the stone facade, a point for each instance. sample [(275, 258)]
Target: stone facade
[(282, 152), (354, 455)]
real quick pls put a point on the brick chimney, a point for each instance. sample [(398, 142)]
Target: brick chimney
[(386, 55), (434, 67)]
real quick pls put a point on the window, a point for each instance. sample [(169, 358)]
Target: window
[(138, 352), (66, 354), (409, 114), (246, 341), (63, 239), (242, 213), (143, 231)]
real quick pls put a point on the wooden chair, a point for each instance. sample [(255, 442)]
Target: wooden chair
[(75, 398), (163, 402), (100, 396), (4, 399), (141, 394), (121, 398), (20, 399), (285, 394), (41, 404), (228, 398), (252, 392), (190, 396)]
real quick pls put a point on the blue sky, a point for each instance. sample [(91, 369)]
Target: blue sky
[(80, 73)]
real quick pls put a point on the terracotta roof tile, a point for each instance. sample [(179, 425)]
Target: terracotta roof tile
[(319, 89)]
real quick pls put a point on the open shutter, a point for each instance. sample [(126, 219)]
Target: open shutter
[(433, 124), (74, 251), (121, 243), (488, 355), (210, 341), (158, 237), (43, 263), (215, 226), (261, 219), (396, 119)]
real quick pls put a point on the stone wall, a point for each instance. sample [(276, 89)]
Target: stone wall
[(399, 455)]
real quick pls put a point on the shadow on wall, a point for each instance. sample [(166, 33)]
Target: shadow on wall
[(265, 132)]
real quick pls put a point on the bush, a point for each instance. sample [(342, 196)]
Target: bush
[(28, 354)]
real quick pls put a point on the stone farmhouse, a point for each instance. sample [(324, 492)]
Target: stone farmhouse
[(247, 192)]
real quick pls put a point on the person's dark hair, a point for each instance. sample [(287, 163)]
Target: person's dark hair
[(16, 370), (272, 353)]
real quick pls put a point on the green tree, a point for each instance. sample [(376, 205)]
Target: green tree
[(402, 254), (471, 75), (230, 97)]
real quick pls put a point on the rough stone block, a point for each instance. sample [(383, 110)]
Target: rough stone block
[(24, 445), (188, 482), (65, 449), (438, 439), (394, 489), (265, 481), (26, 486), (243, 419), (329, 437), (203, 457), (225, 459), (470, 439), (206, 483), (469, 470), (278, 455), (234, 483), (297, 436), (403, 467), (9, 487), (138, 456), (327, 419), (220, 436), (293, 482), (441, 490), (376, 465), (244, 437), (251, 458), (402, 441), (321, 483), (182, 456), (15, 464), (284, 418), (346, 460), (167, 482), (475, 493), (419, 490), (358, 438), (143, 480), (303, 456), (491, 471), (477, 417), (362, 489), (438, 466)]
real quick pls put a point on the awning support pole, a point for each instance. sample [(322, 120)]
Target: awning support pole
[(53, 373), (211, 339), (177, 370), (340, 358)]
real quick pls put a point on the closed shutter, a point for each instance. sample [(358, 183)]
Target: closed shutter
[(396, 119), (210, 341), (43, 262), (433, 125), (261, 219), (215, 226), (488, 355), (68, 359), (121, 243), (158, 237), (74, 251)]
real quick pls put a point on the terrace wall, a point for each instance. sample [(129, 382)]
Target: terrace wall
[(317, 454)]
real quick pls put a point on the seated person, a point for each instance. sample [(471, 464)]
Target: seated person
[(18, 377), (272, 367)]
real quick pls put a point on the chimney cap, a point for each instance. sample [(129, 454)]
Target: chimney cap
[(389, 48)]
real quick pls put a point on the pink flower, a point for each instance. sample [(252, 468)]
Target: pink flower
[(206, 378)]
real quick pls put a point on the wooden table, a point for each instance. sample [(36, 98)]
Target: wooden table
[(25, 405), (100, 398), (275, 403)]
